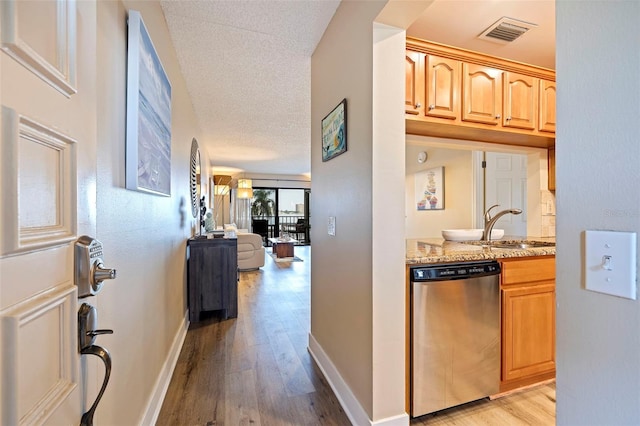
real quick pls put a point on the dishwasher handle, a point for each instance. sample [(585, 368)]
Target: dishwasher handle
[(454, 271)]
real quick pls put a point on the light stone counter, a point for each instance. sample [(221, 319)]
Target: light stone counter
[(437, 250)]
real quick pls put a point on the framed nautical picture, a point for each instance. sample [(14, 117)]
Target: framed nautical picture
[(148, 129), (334, 132)]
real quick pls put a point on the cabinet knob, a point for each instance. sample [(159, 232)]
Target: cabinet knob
[(498, 116), (432, 107), (508, 118), (418, 105)]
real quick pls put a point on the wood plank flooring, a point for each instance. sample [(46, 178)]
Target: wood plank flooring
[(255, 369)]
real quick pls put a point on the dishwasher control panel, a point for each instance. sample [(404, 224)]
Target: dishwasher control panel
[(454, 271)]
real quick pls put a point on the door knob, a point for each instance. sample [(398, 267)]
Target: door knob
[(100, 273)]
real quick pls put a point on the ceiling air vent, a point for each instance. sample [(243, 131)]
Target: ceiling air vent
[(505, 30)]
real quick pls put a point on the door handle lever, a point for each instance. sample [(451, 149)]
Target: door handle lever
[(103, 354), (94, 333)]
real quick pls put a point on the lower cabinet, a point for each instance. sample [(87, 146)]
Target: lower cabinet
[(212, 276), (528, 321)]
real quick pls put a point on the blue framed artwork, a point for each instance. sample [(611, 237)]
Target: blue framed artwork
[(334, 132), (148, 134)]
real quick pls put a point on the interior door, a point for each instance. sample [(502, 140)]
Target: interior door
[(506, 185), (47, 188)]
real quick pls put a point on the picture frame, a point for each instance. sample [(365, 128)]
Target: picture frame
[(429, 188), (148, 127), (334, 132)]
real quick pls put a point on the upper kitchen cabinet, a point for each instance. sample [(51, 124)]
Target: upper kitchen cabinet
[(442, 87), (414, 83), (520, 101), (473, 96), (482, 94), (547, 118)]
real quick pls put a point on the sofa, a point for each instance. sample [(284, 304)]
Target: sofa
[(250, 251)]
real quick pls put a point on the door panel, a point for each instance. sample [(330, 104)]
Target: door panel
[(506, 185), (442, 88), (414, 83), (482, 94), (520, 101), (47, 190)]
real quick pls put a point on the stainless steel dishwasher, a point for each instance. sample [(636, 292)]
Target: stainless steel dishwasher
[(455, 334)]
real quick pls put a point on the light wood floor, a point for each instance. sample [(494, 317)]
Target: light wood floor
[(255, 370)]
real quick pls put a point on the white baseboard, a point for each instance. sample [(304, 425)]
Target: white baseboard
[(161, 385), (350, 404)]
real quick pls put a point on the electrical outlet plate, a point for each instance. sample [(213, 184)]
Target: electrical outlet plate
[(610, 263)]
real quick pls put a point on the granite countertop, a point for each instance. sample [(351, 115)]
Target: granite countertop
[(437, 250)]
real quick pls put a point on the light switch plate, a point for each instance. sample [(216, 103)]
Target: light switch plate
[(610, 263), (331, 226)]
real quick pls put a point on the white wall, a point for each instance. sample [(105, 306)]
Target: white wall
[(144, 235), (597, 157), (458, 189)]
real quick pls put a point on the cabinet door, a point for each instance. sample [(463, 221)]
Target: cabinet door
[(520, 101), (528, 340), (414, 83), (547, 119), (482, 94), (442, 87), (205, 275)]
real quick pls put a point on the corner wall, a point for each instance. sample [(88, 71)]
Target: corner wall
[(341, 272), (597, 157), (144, 235)]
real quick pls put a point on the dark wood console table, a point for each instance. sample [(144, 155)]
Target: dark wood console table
[(212, 276)]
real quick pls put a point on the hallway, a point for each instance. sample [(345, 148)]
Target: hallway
[(255, 369)]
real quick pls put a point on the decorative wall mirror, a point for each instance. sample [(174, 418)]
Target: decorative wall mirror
[(195, 178)]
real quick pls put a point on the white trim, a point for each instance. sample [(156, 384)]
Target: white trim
[(350, 404), (60, 75), (478, 204), (152, 411)]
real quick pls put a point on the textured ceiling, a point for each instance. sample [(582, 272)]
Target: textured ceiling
[(247, 66)]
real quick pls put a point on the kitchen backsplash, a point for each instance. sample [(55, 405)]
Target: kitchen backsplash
[(548, 212)]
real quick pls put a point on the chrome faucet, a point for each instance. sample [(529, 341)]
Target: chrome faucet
[(489, 221)]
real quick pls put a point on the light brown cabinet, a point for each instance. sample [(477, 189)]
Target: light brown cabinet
[(547, 118), (455, 93), (551, 158), (482, 94), (528, 321), (520, 104), (414, 83), (442, 87)]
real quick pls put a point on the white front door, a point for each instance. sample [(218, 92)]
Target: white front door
[(48, 194), (506, 185)]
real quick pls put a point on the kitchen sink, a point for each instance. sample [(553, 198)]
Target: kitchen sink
[(512, 244)]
